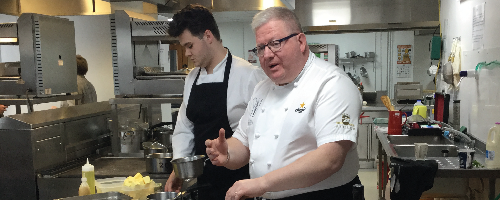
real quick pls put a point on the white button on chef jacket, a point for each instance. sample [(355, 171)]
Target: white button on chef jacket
[(320, 110)]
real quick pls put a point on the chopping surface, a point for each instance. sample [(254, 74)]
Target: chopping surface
[(108, 167)]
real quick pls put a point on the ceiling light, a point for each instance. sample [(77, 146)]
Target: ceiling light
[(8, 40)]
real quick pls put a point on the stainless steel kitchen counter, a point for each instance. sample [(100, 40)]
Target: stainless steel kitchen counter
[(66, 184), (448, 167), (382, 108)]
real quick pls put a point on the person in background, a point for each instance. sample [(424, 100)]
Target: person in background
[(85, 88), (216, 93), (299, 130), (2, 109)]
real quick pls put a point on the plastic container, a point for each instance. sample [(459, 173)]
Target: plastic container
[(493, 147), (84, 188), (109, 184), (420, 109), (139, 191), (115, 184), (88, 172)]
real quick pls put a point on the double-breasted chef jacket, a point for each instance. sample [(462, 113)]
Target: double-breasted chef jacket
[(283, 123)]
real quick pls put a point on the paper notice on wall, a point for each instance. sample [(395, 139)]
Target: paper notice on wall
[(403, 71), (404, 54), (252, 58), (478, 27)]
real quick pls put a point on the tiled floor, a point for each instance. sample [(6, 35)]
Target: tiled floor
[(368, 178)]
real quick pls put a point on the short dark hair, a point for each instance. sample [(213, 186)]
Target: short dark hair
[(195, 18), (279, 13), (81, 65)]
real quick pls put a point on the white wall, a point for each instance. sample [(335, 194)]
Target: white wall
[(238, 37), (422, 62), (232, 35), (93, 42), (479, 106)]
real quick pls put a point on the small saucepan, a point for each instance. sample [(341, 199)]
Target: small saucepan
[(189, 167), (163, 196), (159, 163)]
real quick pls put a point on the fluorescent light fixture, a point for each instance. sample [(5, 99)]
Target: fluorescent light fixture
[(8, 40), (267, 4)]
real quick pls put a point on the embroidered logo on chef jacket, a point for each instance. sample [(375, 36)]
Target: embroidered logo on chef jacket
[(301, 109), (345, 123), (256, 104)]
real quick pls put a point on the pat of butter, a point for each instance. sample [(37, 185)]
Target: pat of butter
[(138, 179)]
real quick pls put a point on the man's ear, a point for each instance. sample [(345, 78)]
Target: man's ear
[(209, 36), (302, 42)]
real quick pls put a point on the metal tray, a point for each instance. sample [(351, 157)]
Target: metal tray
[(100, 196)]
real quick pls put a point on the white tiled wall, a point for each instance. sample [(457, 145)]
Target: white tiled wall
[(480, 105)]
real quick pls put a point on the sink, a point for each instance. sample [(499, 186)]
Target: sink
[(405, 139), (434, 150)]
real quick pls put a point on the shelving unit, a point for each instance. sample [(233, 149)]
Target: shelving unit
[(356, 60)]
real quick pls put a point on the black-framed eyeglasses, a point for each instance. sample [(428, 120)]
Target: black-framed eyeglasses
[(274, 45)]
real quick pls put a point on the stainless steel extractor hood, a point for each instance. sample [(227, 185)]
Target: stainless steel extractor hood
[(221, 5), (340, 16)]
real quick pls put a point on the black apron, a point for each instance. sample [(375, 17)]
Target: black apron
[(207, 109)]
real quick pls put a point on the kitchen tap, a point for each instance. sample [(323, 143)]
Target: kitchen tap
[(452, 134)]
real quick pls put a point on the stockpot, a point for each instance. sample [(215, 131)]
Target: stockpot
[(159, 163), (162, 134)]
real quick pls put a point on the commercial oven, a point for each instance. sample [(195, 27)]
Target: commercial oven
[(137, 49)]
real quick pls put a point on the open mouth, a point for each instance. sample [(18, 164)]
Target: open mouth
[(272, 66)]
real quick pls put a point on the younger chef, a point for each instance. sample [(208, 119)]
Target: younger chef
[(216, 94)]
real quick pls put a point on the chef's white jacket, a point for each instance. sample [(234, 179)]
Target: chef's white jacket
[(283, 123), (242, 80)]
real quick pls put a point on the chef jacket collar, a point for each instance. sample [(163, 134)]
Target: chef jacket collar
[(295, 82), (220, 66)]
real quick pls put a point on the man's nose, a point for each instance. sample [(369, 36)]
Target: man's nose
[(268, 53), (188, 52)]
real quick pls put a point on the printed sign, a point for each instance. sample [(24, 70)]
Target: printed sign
[(252, 58), (404, 54)]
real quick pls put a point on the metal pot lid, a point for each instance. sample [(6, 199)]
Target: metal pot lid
[(153, 145), (163, 129), (159, 155)]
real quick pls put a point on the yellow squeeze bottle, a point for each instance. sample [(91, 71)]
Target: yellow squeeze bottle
[(88, 172), (84, 188)]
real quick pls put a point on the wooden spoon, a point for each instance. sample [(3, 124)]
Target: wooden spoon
[(387, 103)]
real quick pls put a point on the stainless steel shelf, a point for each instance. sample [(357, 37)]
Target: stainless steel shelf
[(38, 100), (356, 60), (145, 100)]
